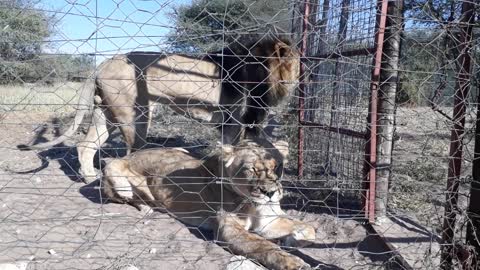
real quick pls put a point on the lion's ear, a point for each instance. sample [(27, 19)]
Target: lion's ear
[(282, 50), (282, 147)]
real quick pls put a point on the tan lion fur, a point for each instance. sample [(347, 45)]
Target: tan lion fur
[(235, 86), (234, 192)]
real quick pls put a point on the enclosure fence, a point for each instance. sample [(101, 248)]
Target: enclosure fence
[(380, 132)]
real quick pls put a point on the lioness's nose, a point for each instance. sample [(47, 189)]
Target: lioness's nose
[(270, 194)]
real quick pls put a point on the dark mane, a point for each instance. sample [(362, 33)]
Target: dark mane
[(244, 71), (244, 47)]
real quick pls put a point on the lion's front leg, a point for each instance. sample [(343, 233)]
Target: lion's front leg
[(232, 234), (293, 233), (271, 222), (122, 185)]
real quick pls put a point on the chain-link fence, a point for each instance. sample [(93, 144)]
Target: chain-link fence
[(380, 134)]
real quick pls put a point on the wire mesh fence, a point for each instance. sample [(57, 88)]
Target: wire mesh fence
[(435, 126), (350, 122)]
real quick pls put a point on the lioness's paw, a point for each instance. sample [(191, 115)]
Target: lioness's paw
[(302, 236), (89, 176), (295, 263), (145, 210), (89, 179)]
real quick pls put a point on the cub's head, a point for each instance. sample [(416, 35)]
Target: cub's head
[(253, 170)]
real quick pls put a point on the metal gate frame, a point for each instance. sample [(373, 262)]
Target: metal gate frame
[(370, 135)]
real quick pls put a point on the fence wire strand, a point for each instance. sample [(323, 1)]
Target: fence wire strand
[(149, 102)]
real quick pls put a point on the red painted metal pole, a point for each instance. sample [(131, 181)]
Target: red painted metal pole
[(372, 143), (301, 94)]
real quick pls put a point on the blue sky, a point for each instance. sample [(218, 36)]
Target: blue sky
[(121, 25)]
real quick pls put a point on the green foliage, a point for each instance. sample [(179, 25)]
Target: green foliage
[(433, 12), (423, 58), (429, 54), (23, 31), (47, 68), (72, 67), (208, 25)]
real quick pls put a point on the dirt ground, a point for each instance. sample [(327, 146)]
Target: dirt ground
[(53, 221), (420, 165)]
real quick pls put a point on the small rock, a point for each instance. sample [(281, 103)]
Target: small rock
[(152, 251), (14, 266), (52, 252), (38, 179), (242, 263), (128, 267)]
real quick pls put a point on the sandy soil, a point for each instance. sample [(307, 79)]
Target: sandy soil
[(54, 221)]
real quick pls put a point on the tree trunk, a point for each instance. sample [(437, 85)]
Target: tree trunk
[(386, 104)]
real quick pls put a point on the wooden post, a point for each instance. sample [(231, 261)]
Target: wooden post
[(386, 104), (456, 145), (301, 92), (473, 226)]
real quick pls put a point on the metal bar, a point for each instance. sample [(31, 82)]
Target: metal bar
[(301, 94), (341, 37), (342, 131), (341, 54), (456, 146), (371, 154)]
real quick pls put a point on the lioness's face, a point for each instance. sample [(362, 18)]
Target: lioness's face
[(265, 184), (256, 175)]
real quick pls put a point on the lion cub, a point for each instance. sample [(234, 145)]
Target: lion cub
[(235, 192)]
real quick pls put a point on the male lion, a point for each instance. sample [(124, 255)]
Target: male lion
[(235, 193), (234, 86)]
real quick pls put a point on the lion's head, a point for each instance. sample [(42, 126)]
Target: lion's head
[(267, 66), (284, 64), (252, 169), (278, 66)]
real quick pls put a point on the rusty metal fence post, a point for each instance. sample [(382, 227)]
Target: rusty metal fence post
[(301, 92), (457, 132), (371, 146)]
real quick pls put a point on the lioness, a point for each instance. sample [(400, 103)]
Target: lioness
[(234, 192), (234, 86)]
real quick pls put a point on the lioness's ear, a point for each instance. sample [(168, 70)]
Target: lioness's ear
[(282, 147), (227, 155)]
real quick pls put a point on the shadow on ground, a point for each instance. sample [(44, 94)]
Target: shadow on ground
[(67, 155)]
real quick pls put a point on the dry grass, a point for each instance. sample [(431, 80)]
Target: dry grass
[(58, 98)]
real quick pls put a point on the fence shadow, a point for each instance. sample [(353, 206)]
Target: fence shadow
[(65, 155)]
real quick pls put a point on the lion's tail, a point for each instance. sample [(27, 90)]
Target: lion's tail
[(83, 106)]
